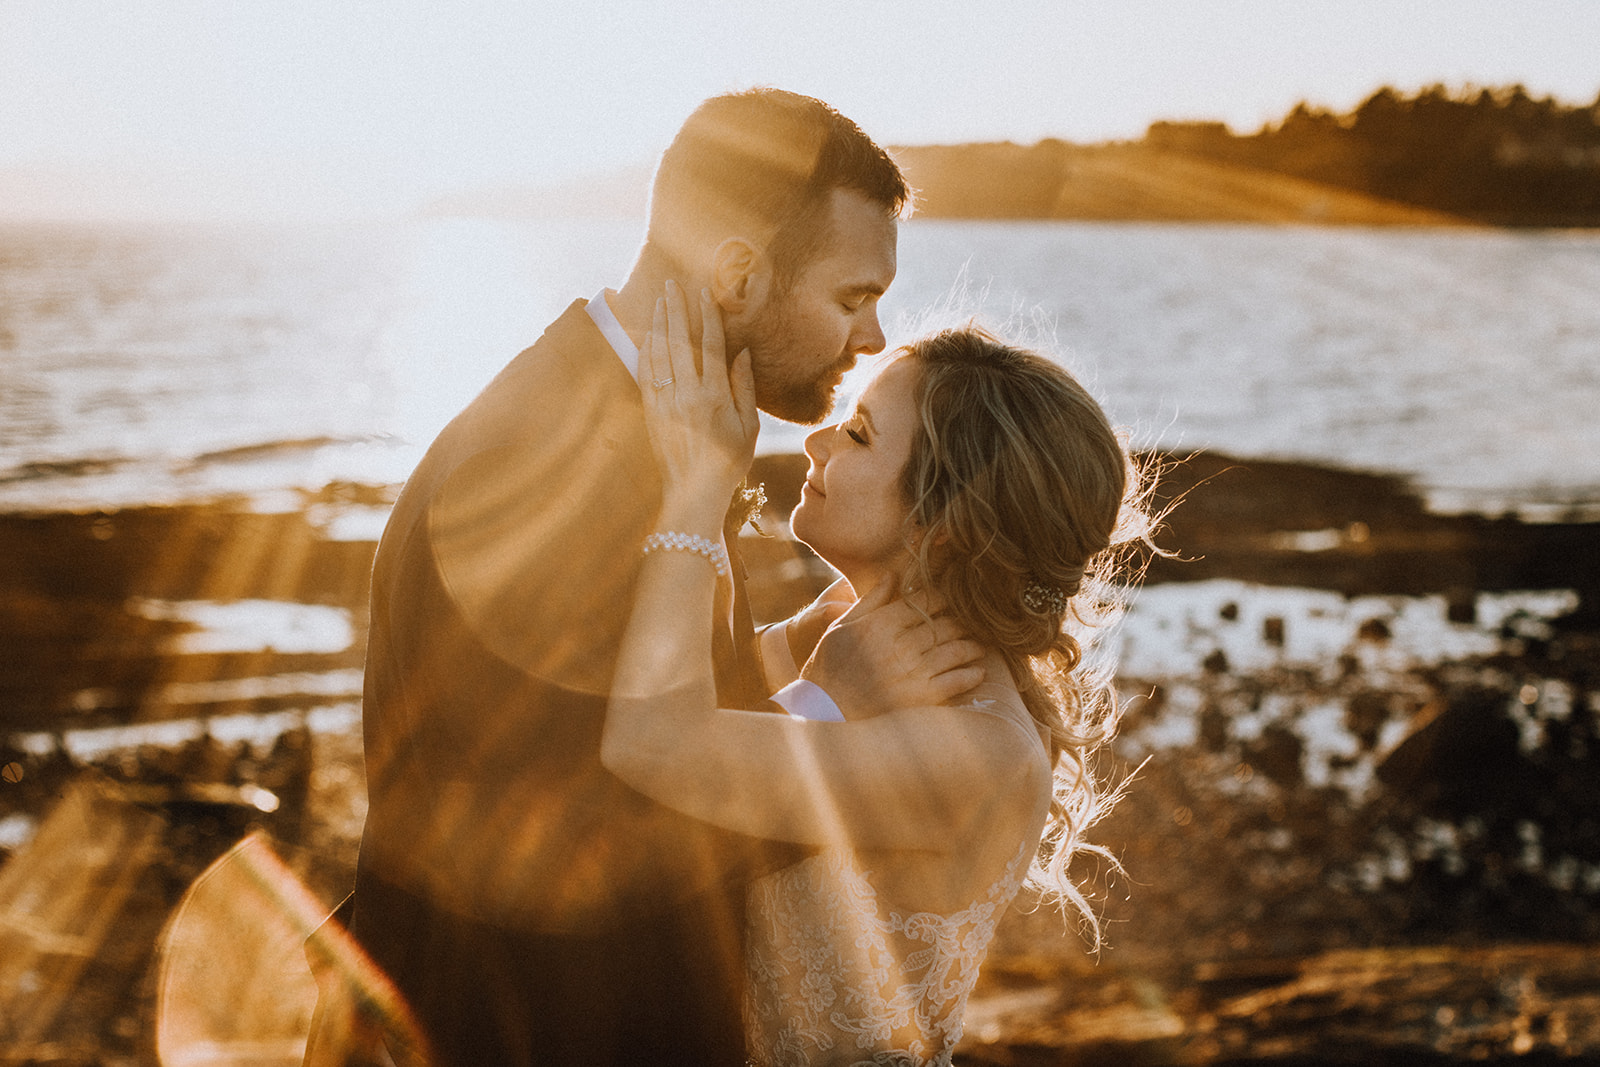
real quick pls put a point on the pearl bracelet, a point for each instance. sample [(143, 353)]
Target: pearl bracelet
[(673, 541)]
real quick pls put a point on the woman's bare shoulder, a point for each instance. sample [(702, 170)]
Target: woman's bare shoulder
[(994, 720), (999, 696)]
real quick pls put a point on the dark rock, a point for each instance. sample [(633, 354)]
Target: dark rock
[(1365, 714), (1461, 605), (1230, 513), (1376, 631), (1277, 754)]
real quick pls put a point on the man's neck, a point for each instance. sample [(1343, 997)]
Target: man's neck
[(635, 303)]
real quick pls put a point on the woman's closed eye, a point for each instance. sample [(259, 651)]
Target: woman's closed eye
[(855, 429)]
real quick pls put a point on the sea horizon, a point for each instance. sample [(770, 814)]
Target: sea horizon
[(147, 365)]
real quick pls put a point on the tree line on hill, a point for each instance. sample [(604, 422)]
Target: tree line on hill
[(1496, 156), (1492, 156)]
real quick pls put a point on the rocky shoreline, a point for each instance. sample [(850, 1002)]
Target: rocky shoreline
[(1365, 827)]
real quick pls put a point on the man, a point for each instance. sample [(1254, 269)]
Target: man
[(527, 905)]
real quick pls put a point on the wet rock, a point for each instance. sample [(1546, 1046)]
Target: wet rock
[(1401, 1006), (1277, 753), (1240, 517), (1377, 631)]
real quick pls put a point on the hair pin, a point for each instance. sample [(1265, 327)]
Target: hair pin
[(1044, 599)]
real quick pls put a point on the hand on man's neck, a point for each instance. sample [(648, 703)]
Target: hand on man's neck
[(635, 303)]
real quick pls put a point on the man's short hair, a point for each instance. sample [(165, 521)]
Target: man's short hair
[(763, 163)]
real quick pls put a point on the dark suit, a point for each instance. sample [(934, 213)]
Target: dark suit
[(530, 906)]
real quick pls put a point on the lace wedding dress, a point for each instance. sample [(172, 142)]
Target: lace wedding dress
[(836, 979)]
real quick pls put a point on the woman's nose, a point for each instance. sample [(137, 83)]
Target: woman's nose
[(817, 444)]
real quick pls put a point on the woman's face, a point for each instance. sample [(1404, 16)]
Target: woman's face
[(851, 510)]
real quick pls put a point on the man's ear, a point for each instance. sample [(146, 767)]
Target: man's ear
[(741, 276)]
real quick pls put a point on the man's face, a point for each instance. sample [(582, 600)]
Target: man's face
[(804, 339)]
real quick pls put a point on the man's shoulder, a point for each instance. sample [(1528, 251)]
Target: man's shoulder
[(534, 518), (534, 415), (571, 355), (556, 440)]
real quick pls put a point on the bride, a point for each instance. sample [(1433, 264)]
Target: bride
[(982, 484)]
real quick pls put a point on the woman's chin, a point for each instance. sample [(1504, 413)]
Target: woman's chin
[(800, 530), (799, 533), (800, 519)]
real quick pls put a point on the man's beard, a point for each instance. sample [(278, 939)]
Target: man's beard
[(783, 388)]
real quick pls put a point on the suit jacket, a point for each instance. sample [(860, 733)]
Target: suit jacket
[(530, 906)]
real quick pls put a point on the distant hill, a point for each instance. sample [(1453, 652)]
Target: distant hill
[(1057, 180), (1494, 156), (1052, 180), (1434, 158)]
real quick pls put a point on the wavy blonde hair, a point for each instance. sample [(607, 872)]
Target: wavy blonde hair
[(1027, 504)]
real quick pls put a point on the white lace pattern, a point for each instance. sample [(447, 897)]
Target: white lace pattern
[(835, 981)]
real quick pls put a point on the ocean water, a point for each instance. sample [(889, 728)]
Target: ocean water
[(164, 364)]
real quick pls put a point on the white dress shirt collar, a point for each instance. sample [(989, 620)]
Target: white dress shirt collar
[(600, 311)]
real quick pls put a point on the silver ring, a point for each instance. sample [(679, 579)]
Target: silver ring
[(660, 383)]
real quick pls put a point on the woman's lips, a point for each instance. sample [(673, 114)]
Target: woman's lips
[(808, 487)]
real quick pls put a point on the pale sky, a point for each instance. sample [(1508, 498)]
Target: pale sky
[(190, 107)]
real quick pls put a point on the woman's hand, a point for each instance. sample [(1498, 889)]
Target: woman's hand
[(699, 408), (889, 652)]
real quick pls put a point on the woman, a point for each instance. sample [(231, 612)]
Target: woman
[(987, 479)]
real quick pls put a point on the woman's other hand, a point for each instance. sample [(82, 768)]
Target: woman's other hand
[(889, 652), (700, 408)]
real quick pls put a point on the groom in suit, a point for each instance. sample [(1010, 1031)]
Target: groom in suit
[(528, 906)]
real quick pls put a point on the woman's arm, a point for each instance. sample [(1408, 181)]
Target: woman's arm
[(912, 778), (905, 779)]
